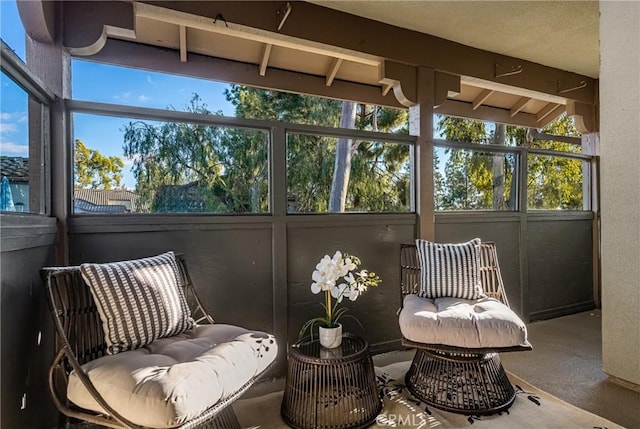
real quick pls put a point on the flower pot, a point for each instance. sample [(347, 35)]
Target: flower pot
[(331, 337)]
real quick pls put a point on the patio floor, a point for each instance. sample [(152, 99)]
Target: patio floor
[(566, 362)]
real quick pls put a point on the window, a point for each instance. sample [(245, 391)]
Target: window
[(477, 166), (24, 118), (126, 165), (474, 180), (369, 176), (143, 88), (555, 183), (177, 153)]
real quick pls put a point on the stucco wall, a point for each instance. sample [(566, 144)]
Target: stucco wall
[(620, 187)]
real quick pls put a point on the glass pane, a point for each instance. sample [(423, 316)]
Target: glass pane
[(257, 103), (555, 183), (370, 176), (469, 180), (144, 88), (14, 149), (137, 166)]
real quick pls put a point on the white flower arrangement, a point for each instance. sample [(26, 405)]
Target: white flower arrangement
[(338, 277)]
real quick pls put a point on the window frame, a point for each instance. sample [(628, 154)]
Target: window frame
[(277, 134), (39, 101), (522, 154)]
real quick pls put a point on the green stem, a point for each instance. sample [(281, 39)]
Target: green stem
[(327, 295)]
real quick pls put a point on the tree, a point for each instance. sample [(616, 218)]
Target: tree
[(477, 181), (328, 174), (342, 167), (226, 170), (191, 167), (94, 170)]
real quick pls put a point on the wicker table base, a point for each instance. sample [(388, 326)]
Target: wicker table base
[(330, 388), (460, 383)]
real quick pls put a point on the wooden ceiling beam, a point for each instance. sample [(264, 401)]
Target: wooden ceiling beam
[(264, 61), (463, 109), (546, 111), (481, 98), (221, 24), (183, 43), (516, 108), (307, 23), (553, 114), (333, 70), (130, 54)]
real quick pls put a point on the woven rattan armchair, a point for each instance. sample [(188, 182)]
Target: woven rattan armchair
[(79, 338), (459, 379)]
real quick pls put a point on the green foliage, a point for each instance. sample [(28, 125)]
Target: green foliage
[(182, 167), (94, 170), (469, 179), (378, 179)]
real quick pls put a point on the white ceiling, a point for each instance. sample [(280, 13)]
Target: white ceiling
[(560, 34)]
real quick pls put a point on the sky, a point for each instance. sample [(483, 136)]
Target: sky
[(99, 83)]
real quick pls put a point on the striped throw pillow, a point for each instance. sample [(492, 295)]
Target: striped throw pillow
[(450, 270), (139, 300)]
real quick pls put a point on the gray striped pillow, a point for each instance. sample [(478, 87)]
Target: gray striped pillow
[(139, 300), (450, 270)]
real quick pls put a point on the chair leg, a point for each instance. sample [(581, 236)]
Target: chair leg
[(225, 420), (460, 383)]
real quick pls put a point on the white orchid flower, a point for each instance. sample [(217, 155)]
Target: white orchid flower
[(321, 281), (315, 288), (350, 279), (338, 292)]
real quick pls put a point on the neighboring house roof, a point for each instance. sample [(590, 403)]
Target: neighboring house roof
[(83, 206), (16, 168), (108, 197)]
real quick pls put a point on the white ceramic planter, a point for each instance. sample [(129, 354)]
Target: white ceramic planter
[(331, 337)]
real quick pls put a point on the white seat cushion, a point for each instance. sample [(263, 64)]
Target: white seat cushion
[(173, 380), (482, 323)]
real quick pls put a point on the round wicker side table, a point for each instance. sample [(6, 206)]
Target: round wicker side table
[(330, 388)]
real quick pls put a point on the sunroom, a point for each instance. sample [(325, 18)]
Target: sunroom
[(499, 120)]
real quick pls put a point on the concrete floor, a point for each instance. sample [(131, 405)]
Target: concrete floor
[(566, 362)]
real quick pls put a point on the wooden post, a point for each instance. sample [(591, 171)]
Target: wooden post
[(421, 125)]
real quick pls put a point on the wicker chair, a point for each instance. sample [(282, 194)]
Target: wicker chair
[(79, 338), (456, 379)]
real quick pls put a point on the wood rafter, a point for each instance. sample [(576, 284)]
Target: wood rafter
[(183, 43), (481, 98), (307, 25), (546, 111), (129, 54), (229, 28), (264, 61), (333, 70), (516, 108)]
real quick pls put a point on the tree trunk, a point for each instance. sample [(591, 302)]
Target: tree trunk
[(498, 168), (255, 196), (342, 167)]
